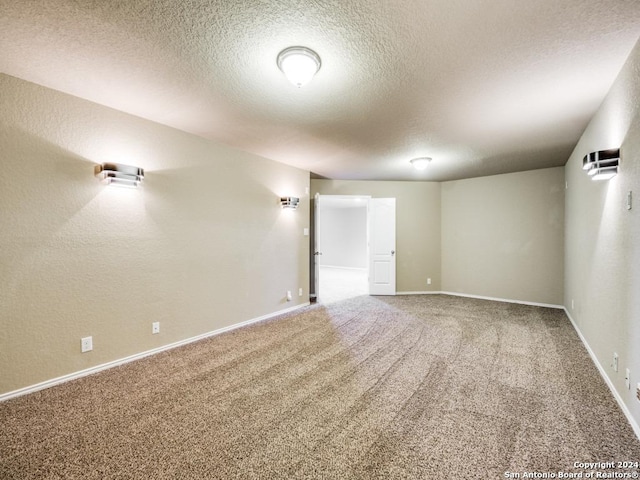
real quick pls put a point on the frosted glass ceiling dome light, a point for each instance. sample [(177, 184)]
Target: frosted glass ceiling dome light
[(299, 64), (420, 163)]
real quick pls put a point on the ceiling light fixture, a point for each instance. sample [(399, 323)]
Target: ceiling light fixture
[(420, 163), (299, 64)]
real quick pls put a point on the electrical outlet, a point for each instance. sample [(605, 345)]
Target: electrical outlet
[(428, 281), (289, 298), (627, 379), (155, 327), (300, 292), (572, 304), (615, 362), (86, 344)]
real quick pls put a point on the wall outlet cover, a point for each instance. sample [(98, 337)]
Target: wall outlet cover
[(86, 344), (627, 379)]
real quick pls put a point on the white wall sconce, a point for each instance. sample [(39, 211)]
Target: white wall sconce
[(299, 64), (420, 163), (289, 202), (118, 174), (602, 165)]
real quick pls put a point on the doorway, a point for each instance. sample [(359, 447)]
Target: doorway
[(342, 246), (353, 246)]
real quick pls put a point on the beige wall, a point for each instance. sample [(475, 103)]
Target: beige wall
[(602, 277), (502, 236), (202, 245), (417, 226)]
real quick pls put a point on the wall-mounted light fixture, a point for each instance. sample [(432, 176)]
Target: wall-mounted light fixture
[(602, 165), (299, 64), (420, 163), (118, 174), (289, 202)]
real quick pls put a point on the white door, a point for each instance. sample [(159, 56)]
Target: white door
[(382, 246)]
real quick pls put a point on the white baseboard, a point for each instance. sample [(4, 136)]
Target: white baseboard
[(607, 380), (506, 300), (138, 356)]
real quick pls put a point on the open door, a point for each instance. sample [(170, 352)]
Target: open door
[(382, 246)]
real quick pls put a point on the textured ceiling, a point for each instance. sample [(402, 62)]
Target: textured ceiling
[(482, 86)]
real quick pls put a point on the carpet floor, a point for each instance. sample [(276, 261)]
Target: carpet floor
[(414, 387)]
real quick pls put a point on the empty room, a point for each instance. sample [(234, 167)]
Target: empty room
[(319, 240)]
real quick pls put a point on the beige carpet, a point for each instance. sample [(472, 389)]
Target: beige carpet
[(421, 387)]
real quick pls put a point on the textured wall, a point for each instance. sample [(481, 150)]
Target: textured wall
[(502, 236), (343, 237), (417, 226), (603, 237), (202, 245)]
